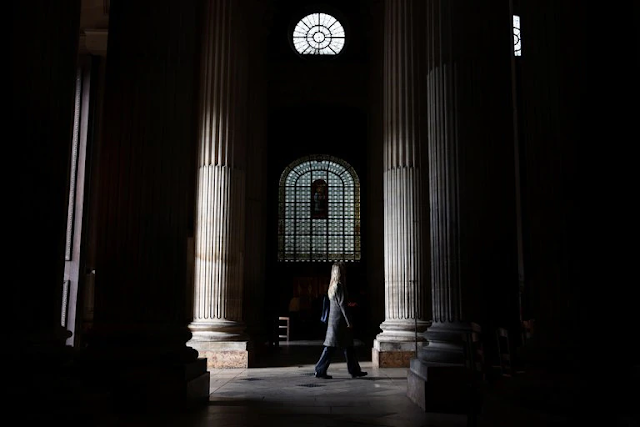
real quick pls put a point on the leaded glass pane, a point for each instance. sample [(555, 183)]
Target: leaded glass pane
[(304, 226), (304, 179), (335, 227), (336, 192), (289, 227), (319, 175), (319, 227), (319, 242), (290, 193), (303, 243), (335, 209), (302, 210), (289, 211), (335, 243)]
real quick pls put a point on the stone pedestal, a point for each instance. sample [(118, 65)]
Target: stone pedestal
[(393, 354), (440, 387), (224, 354), (173, 386)]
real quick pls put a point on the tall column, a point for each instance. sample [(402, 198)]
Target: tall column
[(44, 48), (146, 164), (217, 326), (557, 98), (472, 191), (405, 172), (256, 220), (552, 123)]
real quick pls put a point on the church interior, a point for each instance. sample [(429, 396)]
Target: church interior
[(195, 168)]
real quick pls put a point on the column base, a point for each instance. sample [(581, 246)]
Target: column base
[(446, 343), (144, 367), (225, 354), (68, 398), (223, 343), (175, 386), (386, 354), (442, 388), (396, 345)]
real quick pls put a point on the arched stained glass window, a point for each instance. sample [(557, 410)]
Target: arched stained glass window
[(318, 34), (319, 211)]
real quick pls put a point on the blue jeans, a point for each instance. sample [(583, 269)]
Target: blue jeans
[(325, 360)]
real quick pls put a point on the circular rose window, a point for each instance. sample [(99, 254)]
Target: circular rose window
[(318, 34)]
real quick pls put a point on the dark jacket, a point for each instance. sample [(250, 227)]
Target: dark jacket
[(338, 335)]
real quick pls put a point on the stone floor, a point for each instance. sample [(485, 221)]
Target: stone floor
[(282, 391)]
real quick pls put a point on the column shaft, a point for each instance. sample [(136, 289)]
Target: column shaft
[(471, 187), (552, 122), (472, 181), (254, 299), (43, 54), (406, 221), (218, 327), (146, 166)]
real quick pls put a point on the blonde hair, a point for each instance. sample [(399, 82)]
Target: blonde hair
[(337, 276)]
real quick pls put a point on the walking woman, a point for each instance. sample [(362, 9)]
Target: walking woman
[(339, 327)]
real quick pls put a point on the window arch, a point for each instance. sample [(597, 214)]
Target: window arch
[(319, 211)]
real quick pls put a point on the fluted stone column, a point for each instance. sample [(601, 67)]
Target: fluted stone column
[(472, 191), (217, 326), (559, 256), (145, 167), (43, 60), (405, 174), (254, 300), (552, 287)]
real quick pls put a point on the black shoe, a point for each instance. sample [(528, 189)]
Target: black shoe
[(359, 374), (325, 376)]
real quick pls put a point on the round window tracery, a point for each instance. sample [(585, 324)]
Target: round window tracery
[(318, 34)]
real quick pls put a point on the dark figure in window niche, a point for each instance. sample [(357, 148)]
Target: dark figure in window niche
[(339, 327), (319, 200)]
